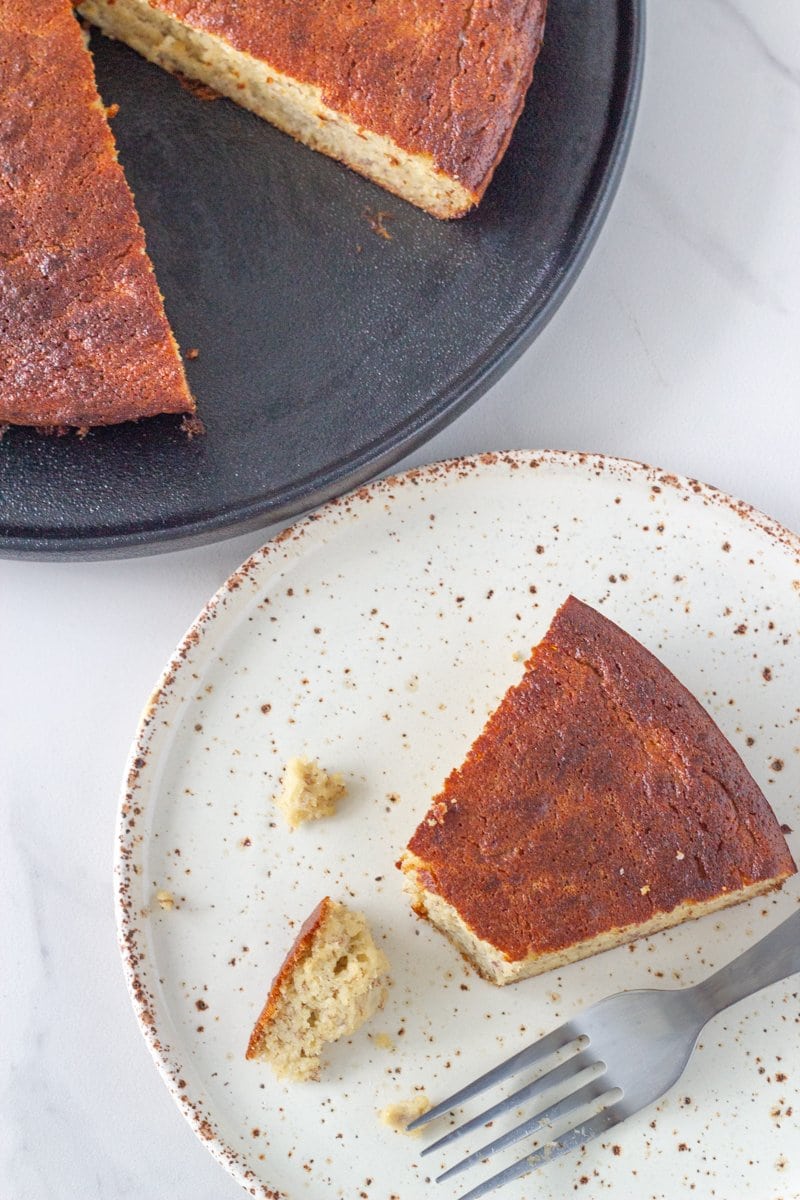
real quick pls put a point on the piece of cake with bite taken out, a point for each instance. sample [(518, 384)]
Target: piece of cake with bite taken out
[(333, 979)]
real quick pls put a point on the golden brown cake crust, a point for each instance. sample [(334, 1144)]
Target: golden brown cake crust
[(598, 794), (444, 79), (83, 336), (300, 949)]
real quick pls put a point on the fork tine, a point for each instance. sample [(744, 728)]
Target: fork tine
[(531, 1054), (592, 1090), (566, 1070), (579, 1136)]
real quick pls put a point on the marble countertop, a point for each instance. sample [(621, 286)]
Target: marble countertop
[(677, 346)]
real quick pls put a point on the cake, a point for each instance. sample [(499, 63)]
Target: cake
[(83, 335), (333, 979), (599, 804), (308, 792), (418, 95)]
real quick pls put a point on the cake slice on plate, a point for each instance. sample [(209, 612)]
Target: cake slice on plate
[(418, 95), (600, 803), (333, 979), (83, 335)]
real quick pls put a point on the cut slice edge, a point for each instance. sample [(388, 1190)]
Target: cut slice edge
[(293, 106), (497, 968)]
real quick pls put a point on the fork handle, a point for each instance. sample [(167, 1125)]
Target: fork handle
[(772, 958)]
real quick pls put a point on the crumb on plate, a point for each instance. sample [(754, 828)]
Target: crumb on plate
[(398, 1116), (309, 792)]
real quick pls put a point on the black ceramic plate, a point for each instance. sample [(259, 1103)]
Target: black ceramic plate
[(327, 351)]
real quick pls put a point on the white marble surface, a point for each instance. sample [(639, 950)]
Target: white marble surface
[(678, 345)]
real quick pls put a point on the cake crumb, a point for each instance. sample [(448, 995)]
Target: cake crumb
[(377, 222), (192, 426), (165, 899), (309, 792), (383, 1041), (400, 1115), (201, 91)]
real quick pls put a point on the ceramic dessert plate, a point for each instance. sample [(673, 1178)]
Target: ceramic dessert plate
[(376, 636)]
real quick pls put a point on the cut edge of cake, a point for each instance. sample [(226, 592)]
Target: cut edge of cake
[(498, 969), (293, 106)]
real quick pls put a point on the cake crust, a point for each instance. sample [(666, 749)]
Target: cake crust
[(83, 335), (447, 80), (600, 801), (300, 949)]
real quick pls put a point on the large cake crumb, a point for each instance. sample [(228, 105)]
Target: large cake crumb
[(309, 792)]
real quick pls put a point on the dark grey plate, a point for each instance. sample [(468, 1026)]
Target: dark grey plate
[(326, 351)]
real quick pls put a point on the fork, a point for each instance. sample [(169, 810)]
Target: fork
[(619, 1056)]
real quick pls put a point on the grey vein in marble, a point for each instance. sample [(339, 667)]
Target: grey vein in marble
[(789, 73)]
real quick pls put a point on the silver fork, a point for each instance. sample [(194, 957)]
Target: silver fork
[(617, 1057)]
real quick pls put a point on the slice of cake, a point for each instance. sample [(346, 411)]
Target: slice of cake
[(308, 792), (83, 336), (600, 803), (333, 979), (418, 95)]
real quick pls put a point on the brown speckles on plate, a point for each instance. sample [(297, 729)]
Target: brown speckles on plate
[(334, 624)]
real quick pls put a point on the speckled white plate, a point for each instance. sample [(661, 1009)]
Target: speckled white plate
[(377, 635)]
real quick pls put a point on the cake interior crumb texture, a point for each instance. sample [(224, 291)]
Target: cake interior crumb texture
[(333, 980), (83, 335), (308, 792), (599, 804), (419, 96)]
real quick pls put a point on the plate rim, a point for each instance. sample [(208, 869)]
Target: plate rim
[(126, 840), (356, 469)]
